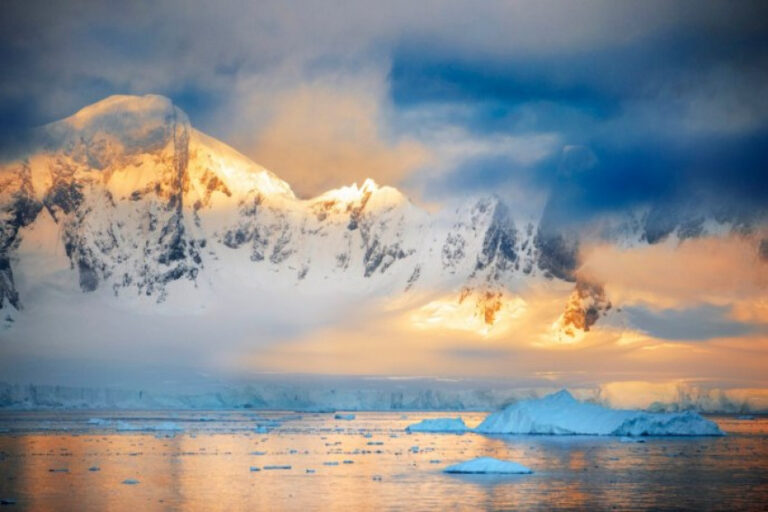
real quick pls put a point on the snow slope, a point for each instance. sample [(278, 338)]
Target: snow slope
[(560, 413)]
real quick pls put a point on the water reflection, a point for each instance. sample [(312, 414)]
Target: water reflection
[(365, 464)]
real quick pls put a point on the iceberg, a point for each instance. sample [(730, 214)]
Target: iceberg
[(560, 413), (488, 465), (439, 425)]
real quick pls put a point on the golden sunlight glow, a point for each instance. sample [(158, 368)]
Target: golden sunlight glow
[(487, 315), (350, 193)]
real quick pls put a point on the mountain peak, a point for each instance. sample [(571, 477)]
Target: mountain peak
[(369, 190), (121, 105), (131, 124)]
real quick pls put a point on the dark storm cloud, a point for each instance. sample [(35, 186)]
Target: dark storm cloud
[(676, 119), (700, 323)]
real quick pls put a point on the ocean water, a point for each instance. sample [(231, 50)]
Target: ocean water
[(229, 461)]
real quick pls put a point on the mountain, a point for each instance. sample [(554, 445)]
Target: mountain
[(126, 199)]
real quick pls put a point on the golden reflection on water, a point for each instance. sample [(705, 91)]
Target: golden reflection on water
[(199, 469)]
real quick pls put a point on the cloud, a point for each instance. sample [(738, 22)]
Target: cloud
[(320, 136), (716, 270), (701, 322)]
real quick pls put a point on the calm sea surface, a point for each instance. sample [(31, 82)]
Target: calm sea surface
[(213, 460)]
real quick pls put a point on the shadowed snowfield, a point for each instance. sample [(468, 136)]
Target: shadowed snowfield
[(248, 460)]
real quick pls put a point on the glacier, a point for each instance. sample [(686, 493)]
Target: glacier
[(488, 465), (561, 414), (324, 395), (439, 425)]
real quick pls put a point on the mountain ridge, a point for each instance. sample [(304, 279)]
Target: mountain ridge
[(139, 200)]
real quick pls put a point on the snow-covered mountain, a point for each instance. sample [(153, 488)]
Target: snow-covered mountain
[(126, 197)]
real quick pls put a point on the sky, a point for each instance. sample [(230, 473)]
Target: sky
[(665, 101), (585, 110)]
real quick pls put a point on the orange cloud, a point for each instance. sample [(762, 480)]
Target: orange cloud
[(717, 270), (320, 137)]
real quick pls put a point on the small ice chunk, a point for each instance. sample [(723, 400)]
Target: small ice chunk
[(439, 425), (343, 416), (267, 468), (7, 501), (94, 468), (488, 465), (414, 449), (255, 469), (310, 471), (130, 481), (331, 463), (58, 470)]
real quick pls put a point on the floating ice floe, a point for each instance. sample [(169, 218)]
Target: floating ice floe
[(99, 422), (165, 426), (488, 465), (439, 425), (560, 413)]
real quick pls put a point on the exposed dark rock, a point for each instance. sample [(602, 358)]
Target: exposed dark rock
[(20, 210), (585, 306), (557, 256), (413, 278), (453, 250), (89, 279), (499, 241), (63, 198), (762, 249)]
